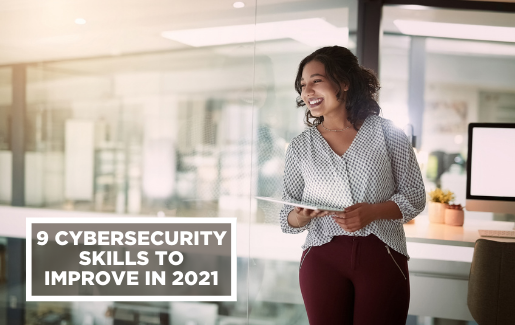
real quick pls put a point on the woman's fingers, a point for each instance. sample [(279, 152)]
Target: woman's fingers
[(308, 213), (316, 213), (304, 212), (349, 225)]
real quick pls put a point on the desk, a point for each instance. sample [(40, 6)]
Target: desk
[(424, 232), (440, 265), (448, 243)]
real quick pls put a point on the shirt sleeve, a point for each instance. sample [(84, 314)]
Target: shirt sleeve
[(293, 187), (410, 193)]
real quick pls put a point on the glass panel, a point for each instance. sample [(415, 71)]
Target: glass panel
[(446, 79), (274, 293), (167, 132), (466, 77), (5, 135), (133, 109)]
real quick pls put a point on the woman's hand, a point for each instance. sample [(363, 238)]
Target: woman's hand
[(355, 217), (299, 217)]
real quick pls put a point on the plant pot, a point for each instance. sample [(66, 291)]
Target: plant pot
[(454, 217), (437, 212)]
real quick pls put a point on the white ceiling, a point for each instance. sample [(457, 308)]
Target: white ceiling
[(34, 30), (37, 30)]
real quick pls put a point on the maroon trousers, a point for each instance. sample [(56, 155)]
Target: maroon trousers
[(355, 281)]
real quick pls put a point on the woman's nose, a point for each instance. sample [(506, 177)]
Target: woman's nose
[(307, 90)]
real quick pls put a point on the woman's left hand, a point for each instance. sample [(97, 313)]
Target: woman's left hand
[(355, 217)]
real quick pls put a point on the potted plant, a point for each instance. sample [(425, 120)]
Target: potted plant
[(438, 202), (454, 215)]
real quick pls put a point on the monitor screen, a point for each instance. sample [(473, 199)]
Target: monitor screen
[(491, 167), (492, 170)]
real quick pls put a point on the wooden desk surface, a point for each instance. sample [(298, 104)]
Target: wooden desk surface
[(424, 232)]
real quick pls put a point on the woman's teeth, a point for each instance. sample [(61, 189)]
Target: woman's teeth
[(315, 102)]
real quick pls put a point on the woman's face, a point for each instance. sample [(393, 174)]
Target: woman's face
[(318, 91)]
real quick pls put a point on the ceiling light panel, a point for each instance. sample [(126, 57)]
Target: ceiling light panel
[(312, 31), (458, 31), (415, 7), (458, 47)]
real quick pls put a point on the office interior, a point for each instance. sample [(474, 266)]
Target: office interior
[(185, 109)]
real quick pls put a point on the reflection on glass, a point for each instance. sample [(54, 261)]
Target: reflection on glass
[(273, 291), (466, 78), (173, 110)]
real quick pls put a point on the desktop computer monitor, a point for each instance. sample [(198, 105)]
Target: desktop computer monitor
[(491, 167)]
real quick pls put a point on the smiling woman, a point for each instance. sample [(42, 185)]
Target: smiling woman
[(357, 258)]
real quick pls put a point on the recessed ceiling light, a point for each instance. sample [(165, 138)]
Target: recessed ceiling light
[(415, 7), (238, 4), (464, 31), (313, 32), (80, 21)]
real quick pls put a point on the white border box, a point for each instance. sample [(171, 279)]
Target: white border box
[(138, 220)]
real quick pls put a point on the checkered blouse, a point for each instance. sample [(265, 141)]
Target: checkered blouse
[(379, 166)]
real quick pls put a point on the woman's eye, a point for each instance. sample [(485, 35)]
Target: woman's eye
[(317, 80), (302, 86)]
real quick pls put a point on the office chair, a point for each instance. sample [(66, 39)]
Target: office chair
[(491, 291)]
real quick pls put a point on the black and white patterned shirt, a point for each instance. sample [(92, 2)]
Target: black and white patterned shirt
[(379, 166)]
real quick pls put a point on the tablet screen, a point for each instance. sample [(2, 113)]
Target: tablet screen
[(299, 204)]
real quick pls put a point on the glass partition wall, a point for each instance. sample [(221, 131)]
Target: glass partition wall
[(164, 109), (440, 70), (273, 293), (276, 65)]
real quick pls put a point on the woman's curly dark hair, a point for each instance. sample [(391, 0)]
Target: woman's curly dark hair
[(342, 66)]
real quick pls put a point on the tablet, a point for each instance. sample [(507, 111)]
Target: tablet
[(299, 204)]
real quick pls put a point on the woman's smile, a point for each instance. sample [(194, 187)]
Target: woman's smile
[(314, 102)]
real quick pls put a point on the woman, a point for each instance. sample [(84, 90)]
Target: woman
[(354, 267)]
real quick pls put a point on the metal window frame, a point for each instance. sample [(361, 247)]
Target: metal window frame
[(18, 126)]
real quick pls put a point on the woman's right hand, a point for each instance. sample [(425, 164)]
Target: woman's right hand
[(299, 217)]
